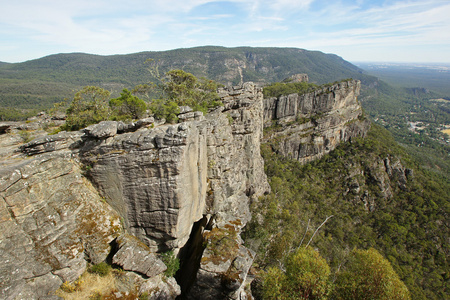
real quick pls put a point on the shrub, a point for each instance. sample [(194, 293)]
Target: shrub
[(306, 276), (101, 269), (89, 106), (172, 263), (368, 275), (127, 106), (168, 110)]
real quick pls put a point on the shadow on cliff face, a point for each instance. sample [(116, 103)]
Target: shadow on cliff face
[(190, 256)]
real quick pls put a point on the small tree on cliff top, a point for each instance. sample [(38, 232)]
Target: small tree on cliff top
[(185, 89), (127, 106), (89, 106)]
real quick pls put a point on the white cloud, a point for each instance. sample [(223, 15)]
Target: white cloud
[(107, 27)]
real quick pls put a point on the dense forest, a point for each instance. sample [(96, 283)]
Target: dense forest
[(405, 218)]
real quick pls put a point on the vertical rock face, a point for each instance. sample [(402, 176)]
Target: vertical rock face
[(155, 178), (165, 179), (313, 124), (235, 175)]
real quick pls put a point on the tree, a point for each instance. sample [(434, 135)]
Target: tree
[(185, 89), (89, 106), (306, 276), (168, 110), (368, 275), (127, 106)]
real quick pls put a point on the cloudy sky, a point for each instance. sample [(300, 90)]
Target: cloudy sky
[(357, 30)]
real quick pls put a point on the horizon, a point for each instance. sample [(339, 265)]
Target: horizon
[(356, 30), (406, 63)]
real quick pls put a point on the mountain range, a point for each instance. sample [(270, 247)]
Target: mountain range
[(41, 82)]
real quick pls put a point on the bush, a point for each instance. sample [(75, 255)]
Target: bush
[(89, 106), (306, 277), (185, 89), (172, 263), (127, 106), (369, 275), (101, 269), (165, 109)]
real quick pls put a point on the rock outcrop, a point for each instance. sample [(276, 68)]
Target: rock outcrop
[(310, 125), (185, 187), (51, 222)]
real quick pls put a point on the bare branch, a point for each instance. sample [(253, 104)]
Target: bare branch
[(323, 223), (307, 227)]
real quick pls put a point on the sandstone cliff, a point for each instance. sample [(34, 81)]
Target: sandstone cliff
[(307, 126), (185, 187)]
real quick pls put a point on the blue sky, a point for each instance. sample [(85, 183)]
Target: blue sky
[(357, 30)]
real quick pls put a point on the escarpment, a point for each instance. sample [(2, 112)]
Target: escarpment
[(185, 187), (307, 126)]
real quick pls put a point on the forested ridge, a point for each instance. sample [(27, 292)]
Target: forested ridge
[(40, 83)]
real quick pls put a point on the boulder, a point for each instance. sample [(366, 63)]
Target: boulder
[(102, 130), (133, 255)]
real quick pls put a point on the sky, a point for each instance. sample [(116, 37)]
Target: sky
[(357, 30)]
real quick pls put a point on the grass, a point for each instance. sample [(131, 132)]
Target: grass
[(87, 286), (446, 131)]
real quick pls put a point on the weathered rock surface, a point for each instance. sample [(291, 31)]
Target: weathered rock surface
[(384, 176), (161, 288), (156, 180), (313, 124), (49, 215), (224, 265), (163, 180), (133, 255)]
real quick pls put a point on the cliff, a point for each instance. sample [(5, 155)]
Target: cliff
[(185, 187), (307, 126)]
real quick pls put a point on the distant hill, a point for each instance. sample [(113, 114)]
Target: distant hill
[(432, 76), (41, 82)]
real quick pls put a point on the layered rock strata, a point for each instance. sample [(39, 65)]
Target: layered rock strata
[(52, 222), (164, 179), (310, 125)]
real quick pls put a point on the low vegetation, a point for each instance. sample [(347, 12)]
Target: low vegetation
[(92, 104), (305, 275), (172, 263)]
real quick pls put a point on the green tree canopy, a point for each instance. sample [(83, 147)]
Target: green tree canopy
[(89, 106), (127, 106), (368, 275), (306, 276), (184, 88)]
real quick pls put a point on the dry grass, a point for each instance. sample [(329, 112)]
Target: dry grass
[(446, 131), (88, 284)]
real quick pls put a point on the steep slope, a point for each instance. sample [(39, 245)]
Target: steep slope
[(376, 195)]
